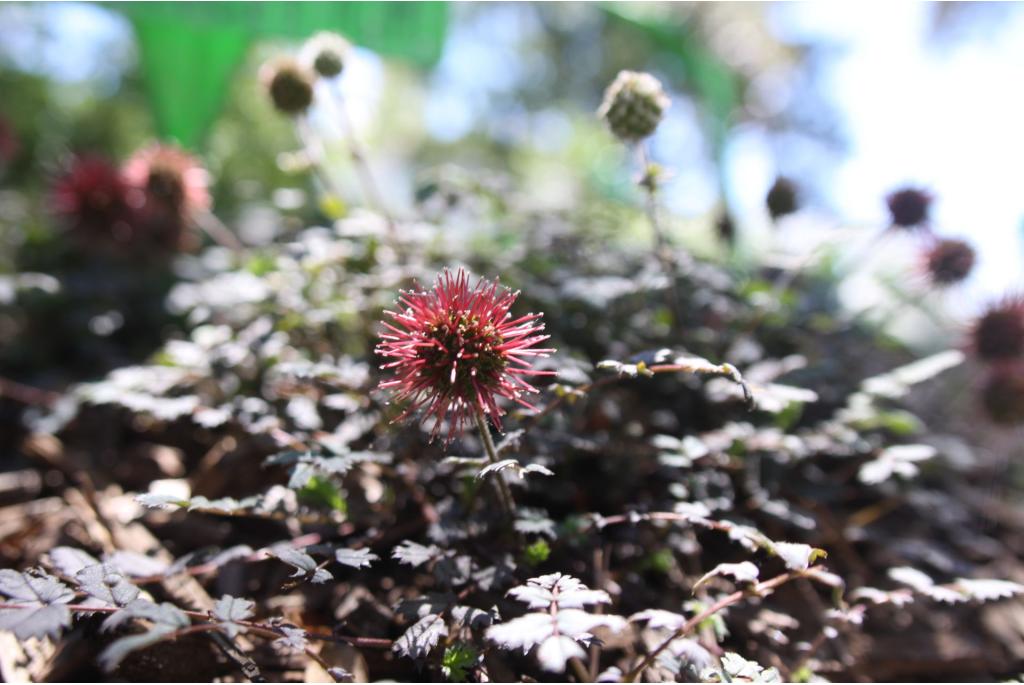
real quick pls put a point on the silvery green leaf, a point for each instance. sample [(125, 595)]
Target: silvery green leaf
[(41, 599), (534, 522), (135, 564), (70, 561), (471, 617), (293, 639), (356, 558), (659, 619), (743, 572), (577, 623), (155, 501), (38, 588), (738, 668), (106, 586), (430, 603), (923, 584), (165, 614), (422, 637), (230, 554), (497, 467), (897, 383), (115, 653), (876, 596), (230, 609), (556, 650), (897, 460), (985, 590), (304, 564), (414, 554), (523, 632), (796, 556)]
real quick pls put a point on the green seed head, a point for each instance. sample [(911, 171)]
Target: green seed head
[(633, 105)]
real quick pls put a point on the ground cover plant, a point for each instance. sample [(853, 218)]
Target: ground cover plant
[(372, 449)]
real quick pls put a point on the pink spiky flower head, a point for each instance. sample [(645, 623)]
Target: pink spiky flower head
[(169, 176), (456, 349)]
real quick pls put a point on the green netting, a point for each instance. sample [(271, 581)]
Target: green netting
[(189, 50)]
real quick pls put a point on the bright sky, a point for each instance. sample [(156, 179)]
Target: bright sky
[(947, 114)]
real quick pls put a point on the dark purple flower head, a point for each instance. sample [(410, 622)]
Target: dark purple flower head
[(92, 197), (909, 207), (949, 261), (783, 198), (455, 349), (998, 334), (1003, 394)]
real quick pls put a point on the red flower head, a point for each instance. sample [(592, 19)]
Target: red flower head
[(456, 349), (92, 197), (998, 334), (170, 176), (169, 187), (948, 261)]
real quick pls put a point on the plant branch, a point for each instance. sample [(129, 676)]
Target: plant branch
[(504, 492), (758, 590)]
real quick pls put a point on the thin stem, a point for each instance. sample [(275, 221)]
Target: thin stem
[(649, 182), (580, 670), (758, 590), (504, 492), (370, 188), (315, 153), (259, 628), (215, 228)]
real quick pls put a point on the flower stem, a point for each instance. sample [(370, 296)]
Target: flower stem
[(662, 252), (504, 492), (370, 188)]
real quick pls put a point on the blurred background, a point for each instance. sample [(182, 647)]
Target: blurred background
[(847, 102)]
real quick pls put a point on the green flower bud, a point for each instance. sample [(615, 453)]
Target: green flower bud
[(633, 105)]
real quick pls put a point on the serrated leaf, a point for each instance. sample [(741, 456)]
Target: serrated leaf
[(356, 558), (230, 554), (230, 609), (743, 572), (578, 623), (899, 460), (106, 586), (523, 632), (556, 651), (422, 637), (922, 583), (304, 564), (471, 617), (70, 561), (293, 639), (897, 383), (115, 653), (985, 590), (165, 614), (156, 501), (659, 619), (414, 554), (797, 556), (566, 591), (135, 564), (41, 599)]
